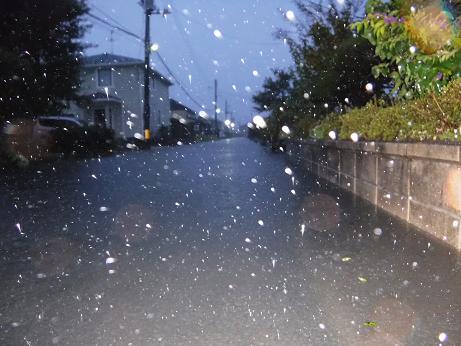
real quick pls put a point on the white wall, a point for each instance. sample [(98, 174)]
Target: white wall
[(160, 104), (127, 84)]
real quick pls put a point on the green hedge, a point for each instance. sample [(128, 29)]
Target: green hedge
[(431, 117), (331, 123)]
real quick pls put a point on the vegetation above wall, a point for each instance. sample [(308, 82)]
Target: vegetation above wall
[(435, 116), (391, 75)]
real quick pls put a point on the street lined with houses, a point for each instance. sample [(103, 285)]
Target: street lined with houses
[(221, 173), (218, 243)]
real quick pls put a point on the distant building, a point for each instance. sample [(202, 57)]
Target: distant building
[(186, 124), (112, 90), (182, 113)]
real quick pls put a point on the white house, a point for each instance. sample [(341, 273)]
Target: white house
[(112, 87)]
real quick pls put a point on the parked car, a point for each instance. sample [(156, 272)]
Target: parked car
[(62, 122), (39, 130), (62, 134)]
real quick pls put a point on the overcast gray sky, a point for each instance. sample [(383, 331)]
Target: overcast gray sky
[(240, 60)]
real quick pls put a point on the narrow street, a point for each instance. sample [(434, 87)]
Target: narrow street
[(216, 243)]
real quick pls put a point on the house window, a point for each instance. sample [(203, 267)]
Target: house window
[(104, 77), (100, 117)]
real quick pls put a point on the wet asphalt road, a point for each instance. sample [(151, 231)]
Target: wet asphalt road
[(205, 245)]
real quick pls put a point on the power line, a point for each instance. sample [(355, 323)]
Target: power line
[(234, 38), (180, 26), (179, 82), (115, 26), (108, 16), (127, 32), (115, 21)]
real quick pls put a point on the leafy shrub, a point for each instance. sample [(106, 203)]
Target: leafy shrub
[(419, 46), (163, 137), (303, 127), (431, 117), (9, 158), (331, 123)]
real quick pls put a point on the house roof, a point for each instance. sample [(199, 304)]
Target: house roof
[(107, 59), (102, 96), (178, 106)]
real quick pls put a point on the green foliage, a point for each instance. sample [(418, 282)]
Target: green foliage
[(332, 66), (275, 92), (331, 123), (373, 123), (273, 98), (303, 127), (431, 117), (39, 50), (418, 50)]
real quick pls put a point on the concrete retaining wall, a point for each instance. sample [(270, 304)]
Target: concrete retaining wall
[(420, 183)]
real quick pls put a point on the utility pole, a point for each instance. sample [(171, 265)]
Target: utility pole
[(226, 112), (149, 8), (216, 107), (111, 42)]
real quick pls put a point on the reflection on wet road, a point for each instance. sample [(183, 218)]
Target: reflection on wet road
[(213, 244)]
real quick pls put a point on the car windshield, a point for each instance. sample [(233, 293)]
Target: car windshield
[(277, 172)]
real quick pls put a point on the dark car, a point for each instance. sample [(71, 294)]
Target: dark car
[(65, 134)]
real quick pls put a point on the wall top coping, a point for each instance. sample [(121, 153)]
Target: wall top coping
[(442, 152)]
